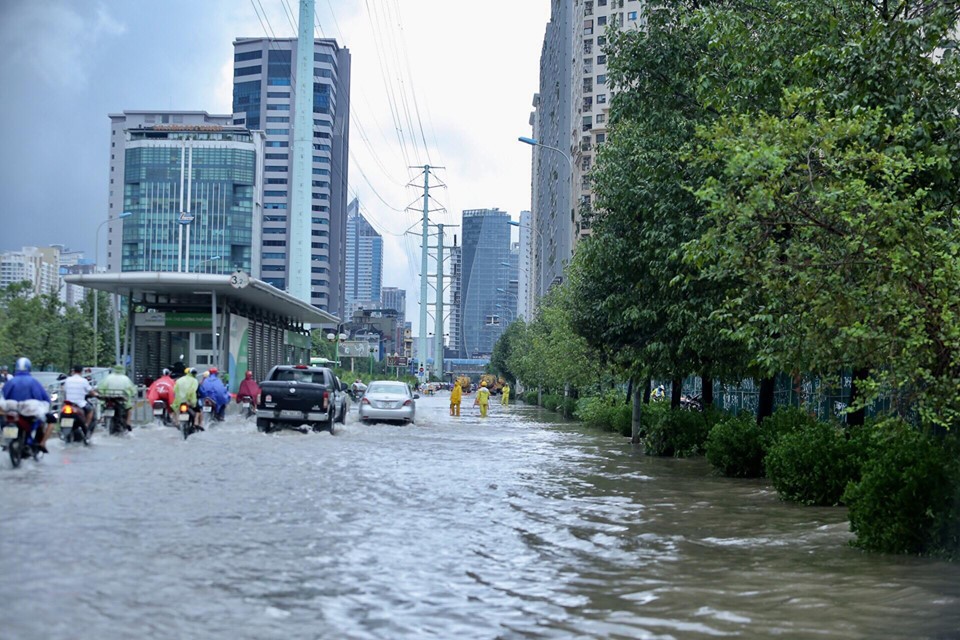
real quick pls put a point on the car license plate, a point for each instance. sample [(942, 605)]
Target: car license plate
[(108, 413), (158, 412), (291, 413), (184, 417), (207, 409), (66, 422), (10, 432)]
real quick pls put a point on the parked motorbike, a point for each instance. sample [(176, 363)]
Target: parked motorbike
[(73, 424), (162, 413), (21, 437), (247, 407), (114, 416)]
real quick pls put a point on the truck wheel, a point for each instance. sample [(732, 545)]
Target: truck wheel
[(342, 418), (263, 425)]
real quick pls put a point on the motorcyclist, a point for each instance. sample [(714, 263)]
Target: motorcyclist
[(213, 388), (76, 390), (119, 387), (185, 392), (358, 388), (249, 387), (28, 397), (161, 389)]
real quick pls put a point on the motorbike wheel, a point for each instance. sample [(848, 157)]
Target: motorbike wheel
[(16, 450)]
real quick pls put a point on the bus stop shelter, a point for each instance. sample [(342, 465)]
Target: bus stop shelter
[(233, 322)]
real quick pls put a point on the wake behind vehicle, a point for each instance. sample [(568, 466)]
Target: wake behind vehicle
[(388, 401), (301, 397)]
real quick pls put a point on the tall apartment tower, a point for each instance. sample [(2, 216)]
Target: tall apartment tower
[(552, 216), (525, 288), (165, 164), (488, 266), (264, 86), (364, 273), (591, 93), (455, 344)]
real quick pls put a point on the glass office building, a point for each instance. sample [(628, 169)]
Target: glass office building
[(195, 194), (486, 271)]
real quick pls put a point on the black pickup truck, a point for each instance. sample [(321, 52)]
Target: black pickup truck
[(296, 395)]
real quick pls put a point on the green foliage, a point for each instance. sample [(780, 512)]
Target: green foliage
[(813, 465), (785, 420), (608, 412), (531, 397), (501, 357), (678, 433), (552, 402), (735, 447), (908, 498)]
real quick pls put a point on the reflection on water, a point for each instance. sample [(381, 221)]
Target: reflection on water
[(509, 527)]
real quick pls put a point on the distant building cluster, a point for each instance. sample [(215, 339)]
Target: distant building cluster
[(43, 268)]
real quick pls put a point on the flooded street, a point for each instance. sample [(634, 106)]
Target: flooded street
[(514, 527)]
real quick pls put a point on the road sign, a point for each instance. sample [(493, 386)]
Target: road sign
[(239, 279)]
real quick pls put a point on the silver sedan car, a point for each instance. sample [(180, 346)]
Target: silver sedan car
[(388, 401)]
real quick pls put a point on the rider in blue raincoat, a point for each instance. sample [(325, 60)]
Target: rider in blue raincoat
[(25, 394), (214, 389)]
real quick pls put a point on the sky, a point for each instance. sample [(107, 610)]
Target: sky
[(469, 69)]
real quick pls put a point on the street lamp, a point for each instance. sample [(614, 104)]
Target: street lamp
[(500, 306), (96, 295), (533, 142), (336, 338), (203, 262)]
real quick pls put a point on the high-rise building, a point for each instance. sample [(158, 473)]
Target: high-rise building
[(364, 272), (525, 289), (72, 263), (486, 306), (396, 299), (192, 184), (552, 216), (39, 266), (264, 88), (590, 105), (455, 344)]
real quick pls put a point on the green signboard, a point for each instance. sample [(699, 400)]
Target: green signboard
[(295, 339)]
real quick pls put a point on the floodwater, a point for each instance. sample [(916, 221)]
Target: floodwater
[(514, 527)]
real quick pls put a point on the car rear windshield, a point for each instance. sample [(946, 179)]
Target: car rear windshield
[(387, 387), (299, 375)]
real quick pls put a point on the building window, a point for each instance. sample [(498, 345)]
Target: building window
[(276, 156), (278, 119), (601, 40), (631, 15), (601, 138), (601, 59), (602, 79), (602, 98), (601, 21), (278, 94), (601, 118), (247, 55), (246, 71)]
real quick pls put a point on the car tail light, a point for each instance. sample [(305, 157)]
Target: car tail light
[(408, 403), (68, 409), (364, 401)]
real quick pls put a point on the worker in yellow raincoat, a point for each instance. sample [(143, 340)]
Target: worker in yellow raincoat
[(482, 399), (456, 395), (505, 395)]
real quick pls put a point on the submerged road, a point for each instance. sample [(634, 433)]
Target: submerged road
[(512, 527)]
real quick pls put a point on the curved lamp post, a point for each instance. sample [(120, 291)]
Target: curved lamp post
[(96, 295)]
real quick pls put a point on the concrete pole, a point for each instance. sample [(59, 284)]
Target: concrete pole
[(438, 330), (213, 328), (424, 265)]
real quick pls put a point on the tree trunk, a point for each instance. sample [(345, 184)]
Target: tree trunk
[(630, 389), (706, 396), (856, 418), (635, 427), (646, 390), (676, 390), (765, 404)]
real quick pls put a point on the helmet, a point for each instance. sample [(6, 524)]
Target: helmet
[(249, 374), (119, 368), (166, 371), (483, 384), (77, 368), (23, 364), (213, 371), (192, 371)]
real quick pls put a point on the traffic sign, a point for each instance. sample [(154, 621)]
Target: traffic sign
[(239, 279)]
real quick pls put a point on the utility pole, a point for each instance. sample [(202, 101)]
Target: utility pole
[(438, 331), (424, 239)]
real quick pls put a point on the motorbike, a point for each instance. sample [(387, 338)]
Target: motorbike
[(210, 411), (162, 413), (114, 415), (21, 437), (186, 420), (73, 424), (247, 407)]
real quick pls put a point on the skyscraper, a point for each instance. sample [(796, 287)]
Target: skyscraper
[(263, 98), (456, 296), (364, 261), (525, 261), (486, 306), (193, 184)]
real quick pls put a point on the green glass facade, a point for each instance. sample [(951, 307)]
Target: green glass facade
[(217, 173)]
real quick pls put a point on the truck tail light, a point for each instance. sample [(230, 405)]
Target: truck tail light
[(326, 399)]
